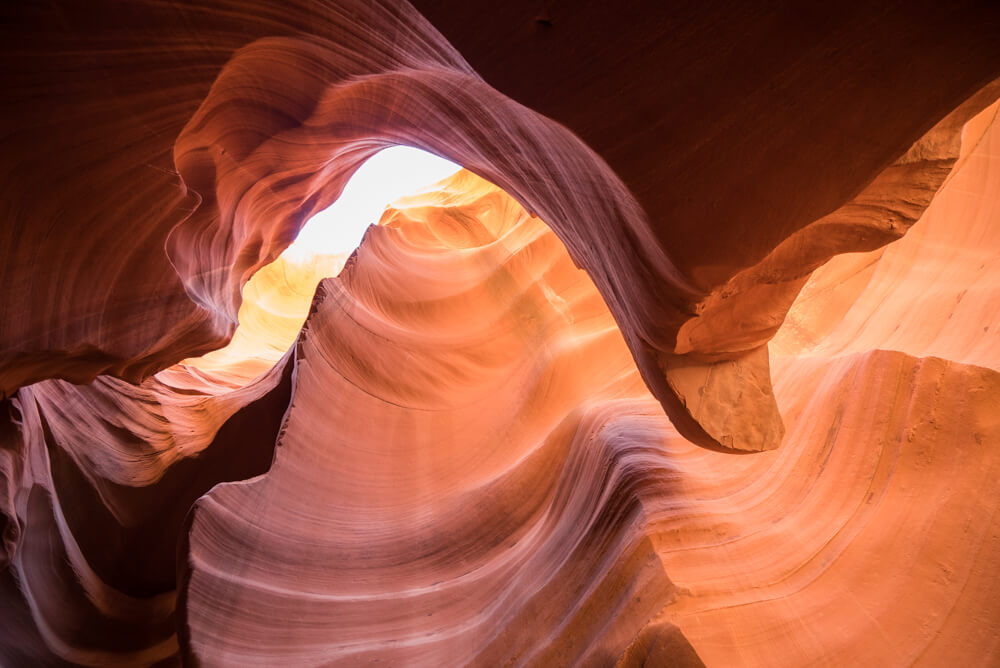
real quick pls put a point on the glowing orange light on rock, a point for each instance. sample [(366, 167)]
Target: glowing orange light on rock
[(276, 299)]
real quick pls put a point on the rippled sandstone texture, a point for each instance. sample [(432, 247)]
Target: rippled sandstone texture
[(465, 458)]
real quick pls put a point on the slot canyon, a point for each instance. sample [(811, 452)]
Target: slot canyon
[(680, 348)]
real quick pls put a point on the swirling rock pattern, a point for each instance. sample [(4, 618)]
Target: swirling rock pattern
[(899, 453), (231, 162), (467, 456), (417, 481), (97, 482)]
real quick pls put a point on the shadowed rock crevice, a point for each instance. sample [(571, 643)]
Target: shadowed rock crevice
[(310, 107), (506, 435), (93, 547)]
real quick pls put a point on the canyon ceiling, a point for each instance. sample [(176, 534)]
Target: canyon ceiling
[(696, 361)]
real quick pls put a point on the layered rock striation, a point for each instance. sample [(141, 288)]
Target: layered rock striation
[(507, 433)]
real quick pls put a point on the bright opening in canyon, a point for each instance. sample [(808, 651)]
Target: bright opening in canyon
[(276, 299), (385, 177), (706, 373)]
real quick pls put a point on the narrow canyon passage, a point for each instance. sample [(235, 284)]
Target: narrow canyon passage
[(872, 466), (699, 368), (276, 299)]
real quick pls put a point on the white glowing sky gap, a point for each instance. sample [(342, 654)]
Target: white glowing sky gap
[(388, 175)]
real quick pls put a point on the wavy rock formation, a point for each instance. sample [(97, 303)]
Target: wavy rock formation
[(878, 518), (878, 440), (275, 304), (498, 440), (501, 539), (929, 294), (97, 482), (231, 162)]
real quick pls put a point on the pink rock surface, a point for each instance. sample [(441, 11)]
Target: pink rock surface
[(228, 124), (524, 426)]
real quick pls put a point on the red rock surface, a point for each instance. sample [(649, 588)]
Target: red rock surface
[(499, 440)]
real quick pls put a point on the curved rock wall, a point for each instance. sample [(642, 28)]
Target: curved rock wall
[(888, 454), (221, 167), (466, 456), (930, 293), (468, 459)]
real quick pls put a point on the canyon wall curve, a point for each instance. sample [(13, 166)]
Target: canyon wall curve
[(508, 432)]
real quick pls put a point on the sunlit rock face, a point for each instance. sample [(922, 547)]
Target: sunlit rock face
[(276, 299), (524, 424), (443, 421)]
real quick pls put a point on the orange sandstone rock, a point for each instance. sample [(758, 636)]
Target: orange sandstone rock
[(506, 433)]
